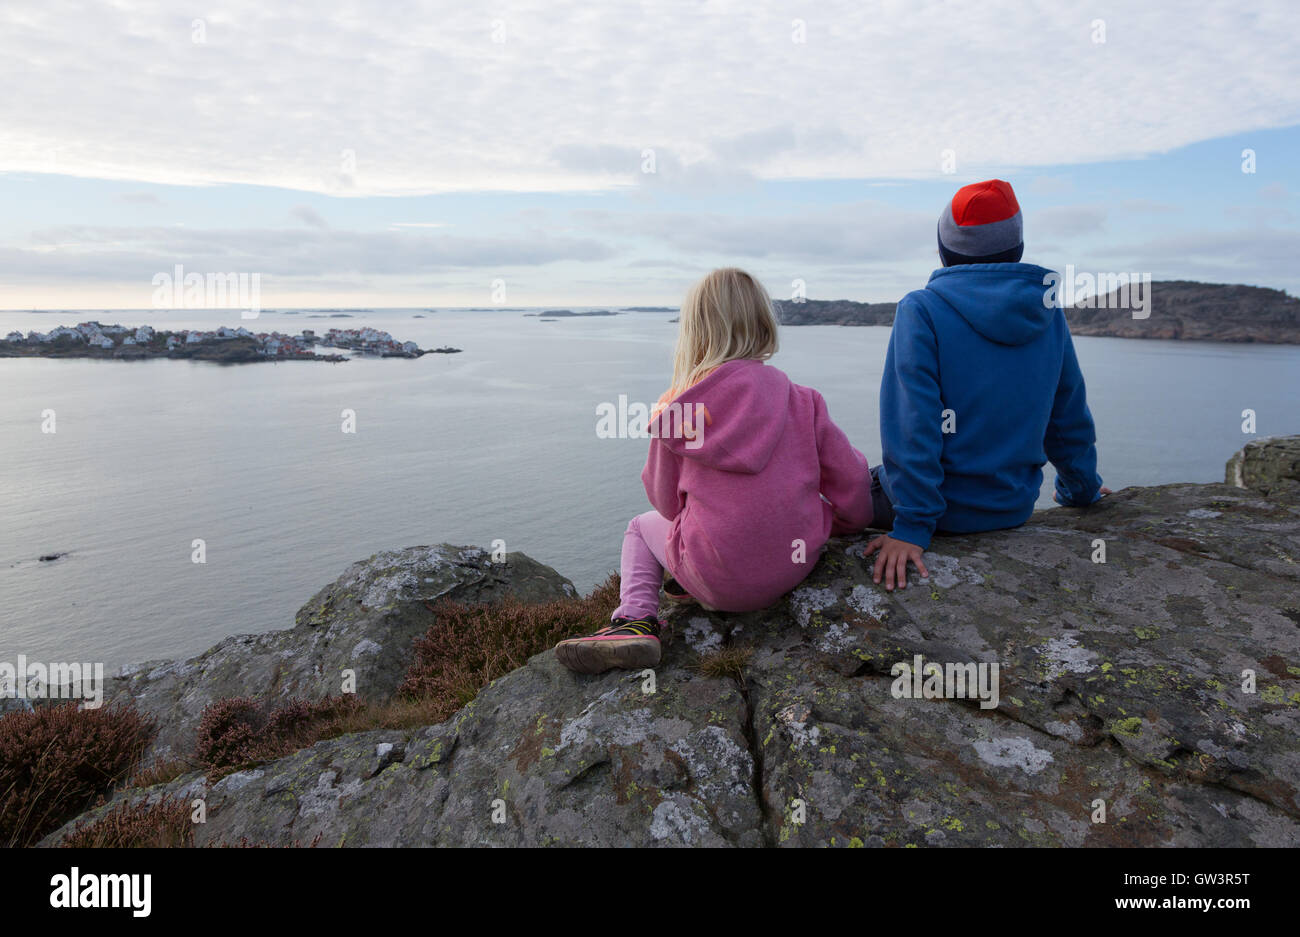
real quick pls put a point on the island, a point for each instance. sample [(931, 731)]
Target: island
[(225, 345), (1177, 309), (570, 314)]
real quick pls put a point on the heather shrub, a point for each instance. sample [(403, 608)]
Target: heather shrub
[(236, 732), (136, 826), (469, 646), (55, 760), (228, 731)]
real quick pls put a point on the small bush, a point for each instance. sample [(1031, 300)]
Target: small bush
[(136, 826), (469, 646), (727, 662), (160, 771), (237, 732), (229, 730), (55, 760)]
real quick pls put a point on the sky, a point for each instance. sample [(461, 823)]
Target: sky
[(545, 154)]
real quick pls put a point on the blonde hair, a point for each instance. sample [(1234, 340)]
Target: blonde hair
[(725, 317)]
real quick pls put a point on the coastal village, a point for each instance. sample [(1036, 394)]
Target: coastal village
[(95, 339)]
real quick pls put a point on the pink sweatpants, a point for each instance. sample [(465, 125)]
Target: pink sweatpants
[(642, 567)]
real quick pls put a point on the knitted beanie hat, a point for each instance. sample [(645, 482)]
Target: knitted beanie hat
[(982, 225)]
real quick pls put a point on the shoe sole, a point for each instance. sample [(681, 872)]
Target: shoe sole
[(588, 655)]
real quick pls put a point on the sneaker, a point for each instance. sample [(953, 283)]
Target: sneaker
[(628, 643)]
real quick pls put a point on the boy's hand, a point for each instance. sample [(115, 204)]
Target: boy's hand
[(893, 559)]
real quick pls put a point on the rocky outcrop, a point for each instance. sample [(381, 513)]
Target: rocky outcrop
[(1178, 309), (362, 623), (1267, 465), (1184, 309), (1148, 693), (834, 312)]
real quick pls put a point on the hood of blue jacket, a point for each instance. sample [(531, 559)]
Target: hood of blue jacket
[(1003, 302)]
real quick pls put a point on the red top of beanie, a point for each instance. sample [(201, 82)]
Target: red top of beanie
[(984, 203)]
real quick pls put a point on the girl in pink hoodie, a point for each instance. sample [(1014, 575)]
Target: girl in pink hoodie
[(747, 474)]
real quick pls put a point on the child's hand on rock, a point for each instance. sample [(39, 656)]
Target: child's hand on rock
[(893, 559)]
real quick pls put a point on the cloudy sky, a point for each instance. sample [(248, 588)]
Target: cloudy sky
[(411, 153)]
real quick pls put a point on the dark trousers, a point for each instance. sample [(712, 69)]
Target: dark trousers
[(881, 510)]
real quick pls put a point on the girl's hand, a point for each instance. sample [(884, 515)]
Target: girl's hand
[(893, 559)]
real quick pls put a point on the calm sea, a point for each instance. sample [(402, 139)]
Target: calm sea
[(496, 443)]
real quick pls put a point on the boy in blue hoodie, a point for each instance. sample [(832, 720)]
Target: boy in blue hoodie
[(981, 387)]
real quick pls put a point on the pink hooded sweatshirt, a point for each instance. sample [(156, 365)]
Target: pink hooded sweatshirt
[(770, 468)]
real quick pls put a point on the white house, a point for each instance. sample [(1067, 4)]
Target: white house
[(193, 338), (103, 341), (14, 337), (129, 340), (144, 333)]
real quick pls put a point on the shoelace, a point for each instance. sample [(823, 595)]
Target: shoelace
[(645, 630)]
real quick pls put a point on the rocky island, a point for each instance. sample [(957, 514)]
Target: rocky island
[(225, 345), (569, 314), (1151, 697), (1180, 309)]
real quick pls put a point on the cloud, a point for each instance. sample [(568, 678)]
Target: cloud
[(857, 232), (1146, 206), (1066, 220), (1258, 256), (141, 198), (122, 254), (309, 216), (1049, 186), (422, 99)]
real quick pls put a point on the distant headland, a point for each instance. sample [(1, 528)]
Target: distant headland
[(1178, 309), (569, 314), (224, 345)]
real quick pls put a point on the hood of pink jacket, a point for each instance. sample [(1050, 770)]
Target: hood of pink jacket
[(734, 408)]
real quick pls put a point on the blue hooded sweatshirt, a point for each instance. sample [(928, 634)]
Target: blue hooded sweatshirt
[(979, 354)]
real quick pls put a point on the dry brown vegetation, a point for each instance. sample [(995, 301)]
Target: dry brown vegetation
[(56, 760)]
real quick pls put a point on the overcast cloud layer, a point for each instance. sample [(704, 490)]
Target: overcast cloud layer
[(407, 97), (415, 153)]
